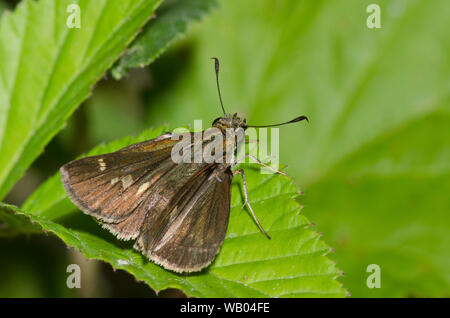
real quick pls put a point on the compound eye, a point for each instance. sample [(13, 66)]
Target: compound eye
[(216, 120)]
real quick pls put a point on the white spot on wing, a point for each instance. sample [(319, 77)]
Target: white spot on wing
[(114, 181), (127, 181), (143, 187), (102, 164)]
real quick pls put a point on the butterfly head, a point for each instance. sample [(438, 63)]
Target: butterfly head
[(230, 121)]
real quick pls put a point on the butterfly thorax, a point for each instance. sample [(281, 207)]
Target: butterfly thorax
[(233, 131)]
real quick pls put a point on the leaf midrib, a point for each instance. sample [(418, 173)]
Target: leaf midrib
[(3, 129)]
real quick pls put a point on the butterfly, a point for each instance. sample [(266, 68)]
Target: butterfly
[(176, 211)]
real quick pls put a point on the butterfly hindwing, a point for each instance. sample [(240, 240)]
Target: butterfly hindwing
[(188, 235)]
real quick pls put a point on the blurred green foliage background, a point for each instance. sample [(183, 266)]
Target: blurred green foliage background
[(374, 162)]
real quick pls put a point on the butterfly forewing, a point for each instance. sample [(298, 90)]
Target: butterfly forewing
[(107, 186), (155, 196)]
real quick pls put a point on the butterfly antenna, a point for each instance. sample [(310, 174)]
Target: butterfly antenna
[(216, 64), (300, 118)]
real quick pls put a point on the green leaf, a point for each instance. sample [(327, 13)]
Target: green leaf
[(374, 162), (12, 224), (292, 264), (47, 69), (174, 18)]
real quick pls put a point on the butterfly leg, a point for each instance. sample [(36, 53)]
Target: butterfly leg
[(260, 163), (247, 202)]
